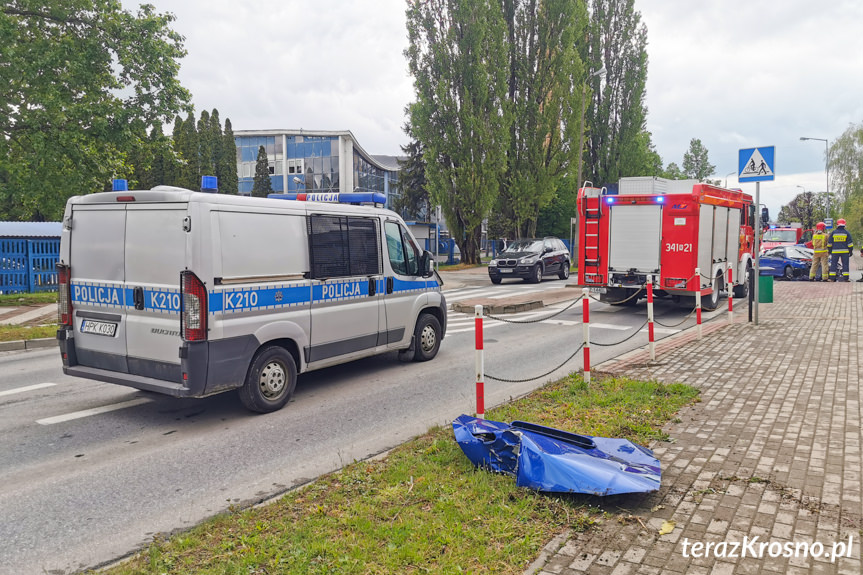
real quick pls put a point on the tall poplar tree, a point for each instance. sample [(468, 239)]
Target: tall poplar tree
[(262, 185), (457, 56), (206, 146), (618, 144), (226, 168), (544, 66)]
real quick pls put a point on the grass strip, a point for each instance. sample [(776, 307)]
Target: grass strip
[(22, 299), (423, 508), (19, 332)]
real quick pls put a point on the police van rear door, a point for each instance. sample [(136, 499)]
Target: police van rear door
[(97, 284), (155, 254)]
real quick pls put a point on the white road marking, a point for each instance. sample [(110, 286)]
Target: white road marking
[(89, 412), (27, 388)]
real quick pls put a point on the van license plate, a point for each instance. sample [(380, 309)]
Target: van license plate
[(598, 290), (98, 327)]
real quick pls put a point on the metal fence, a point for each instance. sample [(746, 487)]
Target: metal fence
[(28, 265)]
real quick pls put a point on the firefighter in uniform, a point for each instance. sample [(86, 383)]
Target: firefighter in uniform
[(820, 258), (840, 245)]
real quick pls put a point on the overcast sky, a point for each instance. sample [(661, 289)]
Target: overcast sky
[(733, 73)]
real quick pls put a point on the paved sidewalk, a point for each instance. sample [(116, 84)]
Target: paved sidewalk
[(773, 450)]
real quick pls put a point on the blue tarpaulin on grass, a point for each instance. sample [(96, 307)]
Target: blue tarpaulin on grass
[(548, 459)]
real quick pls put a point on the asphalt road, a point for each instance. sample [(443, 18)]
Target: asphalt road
[(91, 471)]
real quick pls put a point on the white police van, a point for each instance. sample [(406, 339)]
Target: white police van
[(191, 294)]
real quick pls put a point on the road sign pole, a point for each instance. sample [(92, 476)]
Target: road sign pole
[(757, 250)]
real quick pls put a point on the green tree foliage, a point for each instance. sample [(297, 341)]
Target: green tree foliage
[(544, 65), (226, 169), (207, 142), (846, 165), (457, 56), (555, 218), (81, 83), (846, 178), (413, 201), (262, 185), (673, 172), (807, 208), (696, 164), (618, 144)]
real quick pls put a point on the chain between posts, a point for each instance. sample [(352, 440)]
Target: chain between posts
[(567, 360), (537, 320), (640, 289)]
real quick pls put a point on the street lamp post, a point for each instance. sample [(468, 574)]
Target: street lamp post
[(601, 72), (826, 166), (726, 177)]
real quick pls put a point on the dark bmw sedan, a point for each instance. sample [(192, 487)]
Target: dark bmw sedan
[(531, 260)]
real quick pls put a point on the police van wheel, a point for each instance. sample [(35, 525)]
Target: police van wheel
[(271, 380), (426, 337)]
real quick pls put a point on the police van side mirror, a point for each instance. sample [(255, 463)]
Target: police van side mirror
[(426, 264)]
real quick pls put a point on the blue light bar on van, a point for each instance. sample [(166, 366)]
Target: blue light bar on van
[(209, 183), (335, 197), (119, 185)]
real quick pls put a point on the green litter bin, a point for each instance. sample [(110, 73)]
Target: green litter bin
[(765, 289)]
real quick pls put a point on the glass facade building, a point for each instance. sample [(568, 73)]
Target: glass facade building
[(310, 161)]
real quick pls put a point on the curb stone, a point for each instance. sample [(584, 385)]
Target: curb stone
[(25, 344)]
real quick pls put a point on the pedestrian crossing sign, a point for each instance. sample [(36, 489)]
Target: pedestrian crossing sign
[(756, 164)]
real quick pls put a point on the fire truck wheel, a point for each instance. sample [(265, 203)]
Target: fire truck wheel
[(742, 290), (536, 274), (564, 272), (271, 380), (711, 302)]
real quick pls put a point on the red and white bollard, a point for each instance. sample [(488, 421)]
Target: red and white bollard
[(698, 301), (730, 290), (586, 321), (651, 343), (480, 366)]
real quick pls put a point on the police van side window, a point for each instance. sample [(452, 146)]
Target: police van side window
[(343, 246), (402, 252)]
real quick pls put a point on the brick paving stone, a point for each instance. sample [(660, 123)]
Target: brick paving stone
[(773, 450)]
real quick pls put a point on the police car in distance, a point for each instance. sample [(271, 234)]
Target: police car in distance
[(191, 294)]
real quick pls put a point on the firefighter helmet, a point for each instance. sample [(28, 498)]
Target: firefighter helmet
[(820, 226), (840, 222)]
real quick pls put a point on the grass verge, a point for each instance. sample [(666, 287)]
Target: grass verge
[(423, 508), (19, 332), (16, 299)]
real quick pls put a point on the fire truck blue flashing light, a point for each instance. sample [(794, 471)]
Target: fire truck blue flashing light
[(772, 226), (209, 184), (660, 199), (609, 200), (335, 197), (120, 185)]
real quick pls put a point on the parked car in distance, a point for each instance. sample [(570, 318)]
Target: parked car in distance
[(787, 262), (531, 259)]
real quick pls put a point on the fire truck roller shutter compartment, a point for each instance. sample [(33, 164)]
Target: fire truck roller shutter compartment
[(635, 238), (733, 243), (705, 243), (720, 232)]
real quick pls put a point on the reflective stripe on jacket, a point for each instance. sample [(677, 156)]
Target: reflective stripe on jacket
[(839, 241), (819, 243)]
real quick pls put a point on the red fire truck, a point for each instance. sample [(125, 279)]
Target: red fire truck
[(664, 229)]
